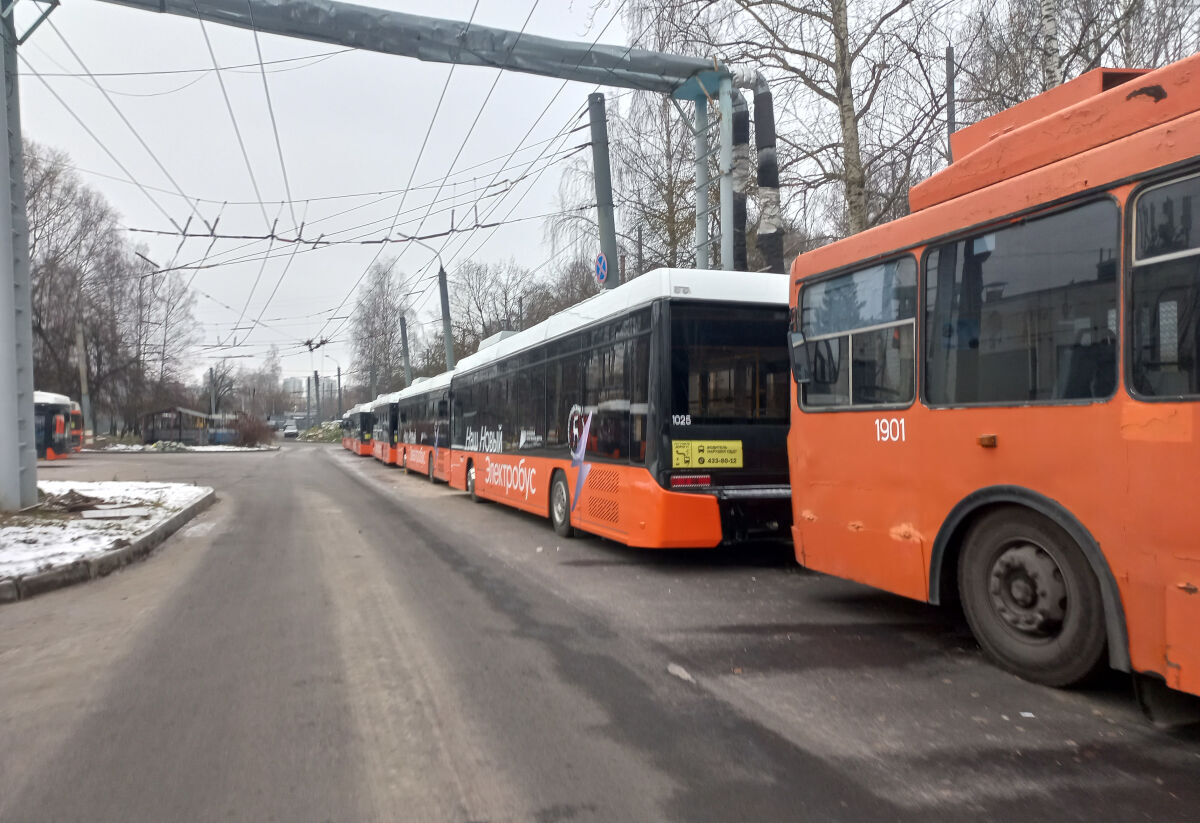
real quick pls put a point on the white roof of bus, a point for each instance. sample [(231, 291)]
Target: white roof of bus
[(382, 400), (689, 284), (423, 385), (51, 397)]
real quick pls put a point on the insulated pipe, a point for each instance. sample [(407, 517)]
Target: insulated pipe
[(444, 41), (741, 178), (770, 220)]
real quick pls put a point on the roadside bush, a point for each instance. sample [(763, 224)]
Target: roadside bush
[(253, 431)]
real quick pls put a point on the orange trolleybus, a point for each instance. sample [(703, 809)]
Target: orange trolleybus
[(998, 396), (383, 435), (362, 425), (347, 432), (424, 427), (654, 414)]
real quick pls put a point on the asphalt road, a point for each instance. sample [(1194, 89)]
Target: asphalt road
[(336, 641)]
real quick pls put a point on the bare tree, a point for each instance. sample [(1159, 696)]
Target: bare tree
[(375, 327)]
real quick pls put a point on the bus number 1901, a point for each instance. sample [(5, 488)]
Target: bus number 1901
[(889, 430)]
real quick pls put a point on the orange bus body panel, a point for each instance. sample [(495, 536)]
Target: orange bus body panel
[(1124, 469), (620, 502), (1156, 98), (362, 449), (418, 456)]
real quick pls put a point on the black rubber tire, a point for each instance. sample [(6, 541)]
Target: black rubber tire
[(1076, 651), (432, 479), (475, 498), (560, 506)]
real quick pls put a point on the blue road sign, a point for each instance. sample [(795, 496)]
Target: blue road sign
[(601, 268)]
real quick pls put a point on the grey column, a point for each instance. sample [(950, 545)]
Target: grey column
[(603, 177)]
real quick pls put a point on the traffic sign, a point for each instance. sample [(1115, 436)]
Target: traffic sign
[(601, 268)]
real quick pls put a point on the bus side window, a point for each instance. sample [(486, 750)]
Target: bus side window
[(1164, 293), (858, 329)]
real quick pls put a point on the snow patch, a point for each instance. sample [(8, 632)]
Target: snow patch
[(31, 542)]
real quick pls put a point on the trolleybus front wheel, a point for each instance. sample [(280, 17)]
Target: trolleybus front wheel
[(560, 506), (475, 498), (1031, 598)]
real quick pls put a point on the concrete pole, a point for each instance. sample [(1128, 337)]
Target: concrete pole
[(446, 317), (725, 100), (404, 351), (307, 403), (702, 183), (212, 390), (18, 452), (603, 177), (339, 408), (85, 402)]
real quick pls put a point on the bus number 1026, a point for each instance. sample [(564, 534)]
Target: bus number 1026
[(889, 430)]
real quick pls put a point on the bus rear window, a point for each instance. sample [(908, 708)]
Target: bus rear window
[(729, 365)]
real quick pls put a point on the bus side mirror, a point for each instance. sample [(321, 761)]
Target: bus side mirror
[(801, 354)]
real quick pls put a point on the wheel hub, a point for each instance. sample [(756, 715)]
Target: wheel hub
[(1027, 590)]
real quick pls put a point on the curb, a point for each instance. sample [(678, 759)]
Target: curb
[(122, 554)]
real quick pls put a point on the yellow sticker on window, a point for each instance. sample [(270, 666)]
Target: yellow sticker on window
[(706, 454)]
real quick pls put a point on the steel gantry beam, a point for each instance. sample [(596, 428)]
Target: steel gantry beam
[(437, 40)]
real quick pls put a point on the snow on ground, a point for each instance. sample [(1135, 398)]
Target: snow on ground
[(167, 446), (34, 542)]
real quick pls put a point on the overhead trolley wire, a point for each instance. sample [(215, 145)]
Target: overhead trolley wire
[(416, 163), (232, 117), (98, 141)]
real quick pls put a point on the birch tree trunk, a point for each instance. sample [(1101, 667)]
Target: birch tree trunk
[(1051, 60), (854, 175)]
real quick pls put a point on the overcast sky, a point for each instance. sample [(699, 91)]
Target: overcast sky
[(349, 123)]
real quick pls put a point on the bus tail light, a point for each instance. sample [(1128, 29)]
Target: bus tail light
[(691, 481)]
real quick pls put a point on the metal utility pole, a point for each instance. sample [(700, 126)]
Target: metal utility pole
[(307, 403), (603, 177), (446, 316), (339, 408), (212, 390), (18, 455), (702, 183), (317, 393), (403, 352), (725, 166)]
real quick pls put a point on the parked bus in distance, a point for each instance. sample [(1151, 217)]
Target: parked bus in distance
[(347, 431), (51, 417), (362, 425), (76, 431), (383, 434), (998, 396), (654, 414), (424, 427)]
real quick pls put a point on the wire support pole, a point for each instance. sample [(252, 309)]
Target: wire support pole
[(605, 221), (702, 183), (18, 451)]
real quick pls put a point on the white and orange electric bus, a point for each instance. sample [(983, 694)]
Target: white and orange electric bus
[(347, 439), (52, 419), (654, 414), (383, 434), (998, 396), (423, 411)]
